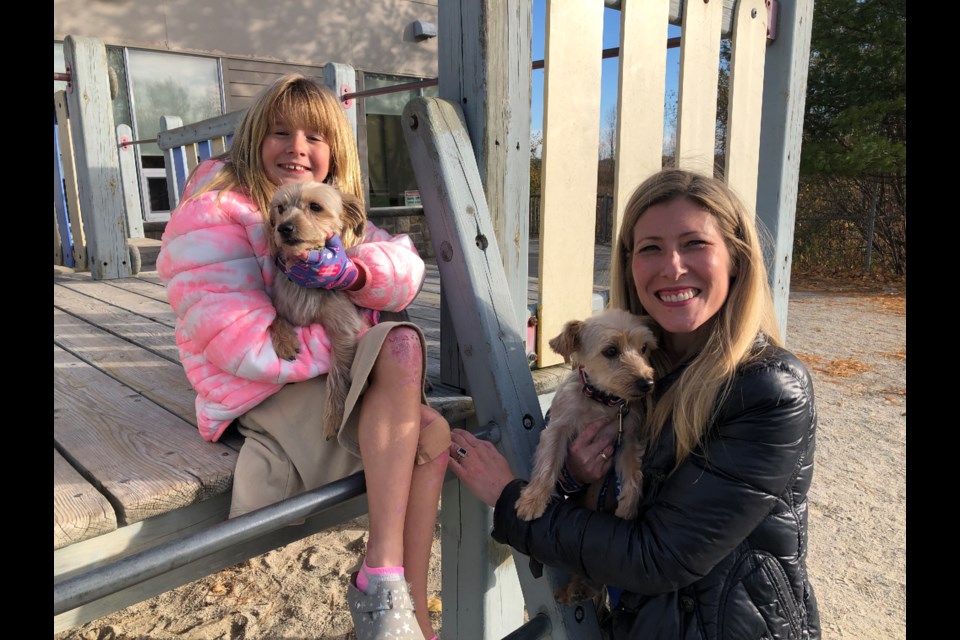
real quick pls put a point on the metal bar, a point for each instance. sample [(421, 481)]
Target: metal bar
[(536, 628), (132, 570), (130, 143)]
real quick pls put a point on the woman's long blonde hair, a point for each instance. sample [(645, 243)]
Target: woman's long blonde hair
[(303, 103), (746, 313)]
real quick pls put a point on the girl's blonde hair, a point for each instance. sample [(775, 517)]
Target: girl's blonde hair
[(746, 313), (302, 103)]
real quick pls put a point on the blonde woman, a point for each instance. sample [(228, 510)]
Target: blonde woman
[(719, 547)]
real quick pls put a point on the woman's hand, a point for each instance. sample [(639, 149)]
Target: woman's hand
[(482, 468), (590, 455)]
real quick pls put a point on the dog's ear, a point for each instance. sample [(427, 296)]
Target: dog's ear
[(568, 342), (354, 216)]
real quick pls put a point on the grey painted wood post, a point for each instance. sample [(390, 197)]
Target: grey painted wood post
[(781, 131), (480, 576), (488, 76), (342, 78), (175, 181), (130, 182), (96, 158)]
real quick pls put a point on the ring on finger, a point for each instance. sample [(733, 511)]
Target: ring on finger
[(461, 454)]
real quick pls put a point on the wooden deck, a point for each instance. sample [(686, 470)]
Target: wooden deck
[(126, 447)]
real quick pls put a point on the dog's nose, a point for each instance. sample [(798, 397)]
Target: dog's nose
[(643, 385), (285, 229)]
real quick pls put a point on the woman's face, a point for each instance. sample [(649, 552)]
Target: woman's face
[(682, 268), (290, 155)]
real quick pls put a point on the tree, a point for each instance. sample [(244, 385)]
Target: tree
[(854, 142)]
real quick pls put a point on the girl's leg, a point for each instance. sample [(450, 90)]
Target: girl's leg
[(388, 434), (420, 523)]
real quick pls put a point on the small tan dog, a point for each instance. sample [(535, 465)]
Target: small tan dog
[(302, 218), (612, 375)]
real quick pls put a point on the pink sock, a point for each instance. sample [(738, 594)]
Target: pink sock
[(369, 577)]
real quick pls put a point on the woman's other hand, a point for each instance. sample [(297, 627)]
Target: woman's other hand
[(590, 455), (479, 466)]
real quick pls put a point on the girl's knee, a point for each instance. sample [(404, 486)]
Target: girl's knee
[(434, 443), (402, 348)]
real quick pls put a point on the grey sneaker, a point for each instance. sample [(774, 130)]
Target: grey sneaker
[(386, 615)]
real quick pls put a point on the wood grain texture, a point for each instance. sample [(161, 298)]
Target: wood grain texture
[(70, 181), (697, 88), (79, 510), (147, 460)]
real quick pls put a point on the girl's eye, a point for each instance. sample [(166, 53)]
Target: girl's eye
[(610, 352), (316, 137), (696, 243)]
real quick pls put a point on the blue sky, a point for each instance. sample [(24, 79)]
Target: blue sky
[(608, 82)]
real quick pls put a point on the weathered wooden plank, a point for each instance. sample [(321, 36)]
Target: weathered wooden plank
[(57, 248), (96, 161), (643, 58), (571, 124), (71, 194), (697, 89), (784, 93), (79, 510), (749, 44), (149, 307), (495, 361), (160, 379), (144, 458), (129, 182)]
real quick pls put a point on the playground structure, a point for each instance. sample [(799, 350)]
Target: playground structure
[(470, 152)]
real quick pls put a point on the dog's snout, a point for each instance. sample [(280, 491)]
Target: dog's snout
[(643, 385), (285, 229)]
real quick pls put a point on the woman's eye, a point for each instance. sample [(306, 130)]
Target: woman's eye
[(610, 352), (646, 248)]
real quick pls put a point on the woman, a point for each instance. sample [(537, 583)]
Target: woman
[(718, 548)]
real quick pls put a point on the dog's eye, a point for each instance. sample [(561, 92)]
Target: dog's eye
[(611, 352), (281, 209), (315, 207), (643, 350)]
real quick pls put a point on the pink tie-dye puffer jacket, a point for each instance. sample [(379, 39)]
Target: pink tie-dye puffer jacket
[(214, 261)]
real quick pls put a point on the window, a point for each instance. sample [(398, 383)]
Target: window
[(167, 84), (389, 168)]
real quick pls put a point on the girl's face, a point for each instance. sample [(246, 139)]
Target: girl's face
[(292, 155), (682, 268)]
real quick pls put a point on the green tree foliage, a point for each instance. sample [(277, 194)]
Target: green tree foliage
[(853, 162)]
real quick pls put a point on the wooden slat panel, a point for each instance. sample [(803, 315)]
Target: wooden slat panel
[(70, 181), (96, 161), (148, 307), (80, 511), (153, 376), (57, 249), (146, 459), (697, 99), (571, 142), (746, 100), (642, 78)]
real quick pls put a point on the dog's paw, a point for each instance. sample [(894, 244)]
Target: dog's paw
[(529, 506)]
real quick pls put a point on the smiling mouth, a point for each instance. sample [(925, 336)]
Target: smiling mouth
[(678, 296), (293, 167)]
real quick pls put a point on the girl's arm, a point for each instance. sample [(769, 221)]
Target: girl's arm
[(392, 270), (713, 501)]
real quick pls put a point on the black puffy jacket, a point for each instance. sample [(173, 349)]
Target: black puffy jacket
[(718, 550)]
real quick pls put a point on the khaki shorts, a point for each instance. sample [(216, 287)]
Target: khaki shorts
[(284, 452)]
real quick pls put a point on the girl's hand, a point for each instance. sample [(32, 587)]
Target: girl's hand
[(482, 468), (327, 268), (590, 455)]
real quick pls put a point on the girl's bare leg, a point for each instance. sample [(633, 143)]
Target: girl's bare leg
[(402, 497)]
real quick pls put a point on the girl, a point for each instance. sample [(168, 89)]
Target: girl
[(215, 262), (718, 549)]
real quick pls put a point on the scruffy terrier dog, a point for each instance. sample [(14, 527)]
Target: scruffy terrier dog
[(612, 375), (302, 218)]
